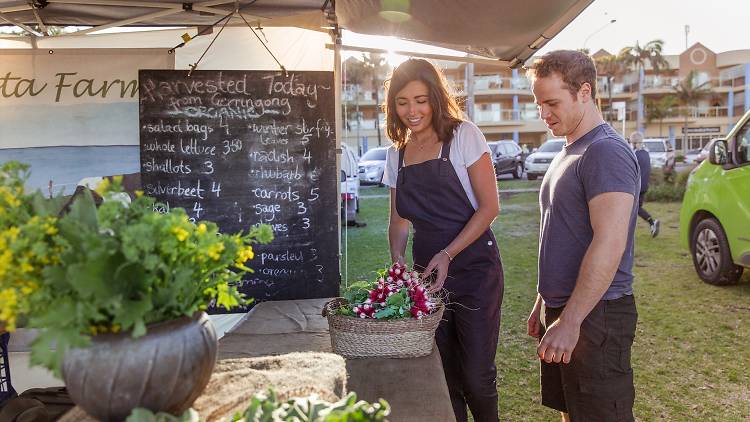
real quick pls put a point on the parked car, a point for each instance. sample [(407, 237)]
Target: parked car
[(715, 215), (537, 162), (372, 165), (507, 157), (349, 185), (660, 151)]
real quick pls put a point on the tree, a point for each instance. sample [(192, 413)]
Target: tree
[(611, 67), (688, 94), (375, 66), (356, 73), (660, 109), (636, 57)]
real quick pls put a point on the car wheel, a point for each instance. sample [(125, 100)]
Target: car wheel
[(711, 256), (518, 171), (531, 176)]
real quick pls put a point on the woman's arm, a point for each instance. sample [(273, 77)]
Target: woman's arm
[(483, 182), (398, 232)]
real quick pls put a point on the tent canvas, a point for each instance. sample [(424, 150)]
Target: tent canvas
[(509, 31)]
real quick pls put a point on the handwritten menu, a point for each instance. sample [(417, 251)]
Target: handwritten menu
[(241, 148)]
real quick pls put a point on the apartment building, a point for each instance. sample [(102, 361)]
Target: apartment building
[(500, 101)]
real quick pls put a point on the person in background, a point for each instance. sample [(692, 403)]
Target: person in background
[(442, 183), (584, 315), (644, 162)]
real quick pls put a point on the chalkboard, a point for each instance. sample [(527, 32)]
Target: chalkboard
[(241, 148)]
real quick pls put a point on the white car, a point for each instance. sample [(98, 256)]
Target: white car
[(660, 151), (349, 185), (372, 166), (538, 162)]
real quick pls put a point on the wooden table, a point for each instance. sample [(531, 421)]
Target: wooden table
[(415, 388)]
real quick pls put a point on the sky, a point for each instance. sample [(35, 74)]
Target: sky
[(720, 25)]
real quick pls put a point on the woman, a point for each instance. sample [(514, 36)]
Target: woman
[(442, 181)]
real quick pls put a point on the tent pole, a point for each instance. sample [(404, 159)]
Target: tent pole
[(337, 81)]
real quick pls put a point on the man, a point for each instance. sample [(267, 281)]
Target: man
[(584, 315), (644, 162)]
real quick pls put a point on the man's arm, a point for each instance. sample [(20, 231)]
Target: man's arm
[(610, 219)]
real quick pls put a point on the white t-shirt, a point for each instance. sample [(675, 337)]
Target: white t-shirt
[(467, 147)]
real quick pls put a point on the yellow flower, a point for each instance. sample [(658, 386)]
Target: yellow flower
[(102, 187), (9, 299), (50, 230), (201, 228), (138, 193), (214, 251), (181, 233), (245, 254), (13, 233), (26, 267)]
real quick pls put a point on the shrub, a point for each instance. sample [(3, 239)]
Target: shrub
[(667, 186)]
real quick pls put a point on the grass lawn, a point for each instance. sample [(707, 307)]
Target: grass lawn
[(691, 356)]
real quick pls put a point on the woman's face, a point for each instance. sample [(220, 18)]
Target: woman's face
[(413, 107)]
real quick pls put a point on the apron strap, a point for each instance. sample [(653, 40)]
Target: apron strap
[(401, 157)]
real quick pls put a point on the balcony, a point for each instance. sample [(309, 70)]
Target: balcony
[(496, 84), (362, 95), (660, 82), (496, 115), (694, 112), (362, 124)]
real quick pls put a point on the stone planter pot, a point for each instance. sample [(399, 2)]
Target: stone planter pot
[(164, 370)]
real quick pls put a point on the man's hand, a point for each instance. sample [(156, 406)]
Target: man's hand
[(534, 323), (559, 341)]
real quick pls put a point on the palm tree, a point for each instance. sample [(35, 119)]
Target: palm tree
[(687, 94), (356, 73), (375, 66), (611, 67), (637, 57), (660, 109)]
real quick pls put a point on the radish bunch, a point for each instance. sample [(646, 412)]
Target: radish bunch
[(411, 299)]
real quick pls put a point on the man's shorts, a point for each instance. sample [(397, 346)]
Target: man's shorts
[(597, 384)]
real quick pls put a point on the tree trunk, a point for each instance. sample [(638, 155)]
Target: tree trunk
[(356, 111), (609, 91), (685, 133), (377, 111)]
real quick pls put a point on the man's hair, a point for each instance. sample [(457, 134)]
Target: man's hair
[(636, 138), (574, 67)]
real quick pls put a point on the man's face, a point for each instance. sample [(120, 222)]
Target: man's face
[(558, 108)]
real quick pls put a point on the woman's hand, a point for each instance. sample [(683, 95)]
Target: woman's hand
[(439, 262)]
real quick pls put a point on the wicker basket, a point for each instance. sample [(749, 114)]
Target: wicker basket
[(353, 337)]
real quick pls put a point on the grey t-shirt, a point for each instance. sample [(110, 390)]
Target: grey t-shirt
[(600, 161)]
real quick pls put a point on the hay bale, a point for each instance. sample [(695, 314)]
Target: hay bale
[(235, 381)]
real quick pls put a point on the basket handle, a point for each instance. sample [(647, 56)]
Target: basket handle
[(332, 305)]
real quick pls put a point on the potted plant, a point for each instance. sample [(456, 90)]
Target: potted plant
[(392, 315), (118, 293)]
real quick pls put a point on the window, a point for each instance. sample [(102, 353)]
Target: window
[(552, 146), (743, 145), (513, 148), (377, 154), (654, 146)]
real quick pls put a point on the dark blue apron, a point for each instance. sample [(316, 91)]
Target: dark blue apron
[(431, 197)]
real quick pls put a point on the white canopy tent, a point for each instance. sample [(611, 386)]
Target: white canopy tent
[(504, 32), (508, 31)]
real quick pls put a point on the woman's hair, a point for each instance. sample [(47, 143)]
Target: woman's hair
[(446, 114)]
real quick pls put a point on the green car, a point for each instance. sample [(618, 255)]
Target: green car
[(715, 215)]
